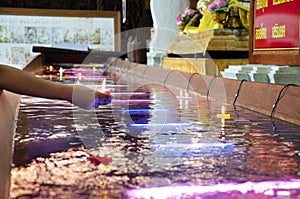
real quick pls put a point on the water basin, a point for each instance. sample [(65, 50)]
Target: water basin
[(158, 140)]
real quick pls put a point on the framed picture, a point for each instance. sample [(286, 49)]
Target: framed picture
[(275, 32), (20, 29)]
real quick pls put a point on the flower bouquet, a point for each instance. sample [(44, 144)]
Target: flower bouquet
[(183, 19), (219, 6), (202, 5), (219, 10)]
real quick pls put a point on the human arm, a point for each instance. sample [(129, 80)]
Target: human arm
[(24, 83)]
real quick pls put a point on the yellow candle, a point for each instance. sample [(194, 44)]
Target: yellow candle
[(223, 114), (61, 73)]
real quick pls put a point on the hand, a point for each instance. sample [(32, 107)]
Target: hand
[(100, 99), (88, 98)]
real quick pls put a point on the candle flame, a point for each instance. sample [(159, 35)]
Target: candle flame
[(104, 84), (61, 70), (223, 109)]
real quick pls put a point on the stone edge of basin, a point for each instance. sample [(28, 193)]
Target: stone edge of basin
[(256, 96)]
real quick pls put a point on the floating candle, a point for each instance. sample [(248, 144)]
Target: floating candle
[(96, 160), (104, 87), (79, 76), (61, 73), (223, 114)]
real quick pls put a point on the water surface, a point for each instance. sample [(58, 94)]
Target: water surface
[(170, 138)]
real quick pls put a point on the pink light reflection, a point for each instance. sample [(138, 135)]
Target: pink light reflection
[(129, 94), (134, 101), (267, 188)]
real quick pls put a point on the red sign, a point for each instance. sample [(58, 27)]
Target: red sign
[(276, 24)]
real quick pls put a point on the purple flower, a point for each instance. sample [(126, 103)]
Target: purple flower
[(184, 18), (221, 3), (212, 6), (179, 19), (189, 11)]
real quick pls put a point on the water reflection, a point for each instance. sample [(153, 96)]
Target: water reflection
[(178, 140), (37, 133)]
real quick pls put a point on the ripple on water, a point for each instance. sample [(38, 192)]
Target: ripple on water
[(176, 141)]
